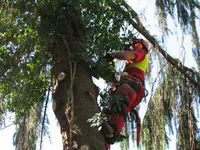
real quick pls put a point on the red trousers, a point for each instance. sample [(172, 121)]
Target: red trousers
[(134, 99)]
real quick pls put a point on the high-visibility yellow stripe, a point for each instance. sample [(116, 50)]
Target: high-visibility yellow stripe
[(140, 65)]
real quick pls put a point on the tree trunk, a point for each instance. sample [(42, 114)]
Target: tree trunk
[(75, 96)]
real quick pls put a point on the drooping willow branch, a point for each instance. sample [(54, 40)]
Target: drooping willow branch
[(154, 82), (7, 126), (197, 5)]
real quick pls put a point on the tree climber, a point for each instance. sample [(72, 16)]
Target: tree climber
[(131, 84)]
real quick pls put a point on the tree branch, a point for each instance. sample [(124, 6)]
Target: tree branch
[(45, 112), (72, 67), (197, 5), (152, 88), (7, 126), (133, 13), (139, 26)]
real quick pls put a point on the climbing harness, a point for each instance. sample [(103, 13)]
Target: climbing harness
[(134, 84), (132, 87)]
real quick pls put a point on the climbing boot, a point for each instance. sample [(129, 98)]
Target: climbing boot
[(108, 133)]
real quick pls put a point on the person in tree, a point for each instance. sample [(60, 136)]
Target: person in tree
[(131, 85)]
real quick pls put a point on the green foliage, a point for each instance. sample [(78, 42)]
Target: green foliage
[(170, 6), (185, 11), (104, 69), (22, 74), (172, 102), (28, 27), (97, 120), (26, 134), (24, 70), (111, 105), (153, 130), (105, 32), (114, 103)]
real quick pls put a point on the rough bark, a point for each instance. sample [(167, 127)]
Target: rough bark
[(75, 96)]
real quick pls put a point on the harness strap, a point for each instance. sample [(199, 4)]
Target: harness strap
[(134, 81), (138, 125)]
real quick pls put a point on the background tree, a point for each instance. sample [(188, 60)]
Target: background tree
[(176, 99), (56, 47)]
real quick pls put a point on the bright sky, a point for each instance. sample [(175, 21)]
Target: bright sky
[(141, 6)]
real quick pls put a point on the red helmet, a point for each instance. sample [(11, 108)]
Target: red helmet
[(137, 43), (144, 43)]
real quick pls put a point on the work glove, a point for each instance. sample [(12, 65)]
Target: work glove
[(109, 57)]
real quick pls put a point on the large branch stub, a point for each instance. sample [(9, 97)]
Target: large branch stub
[(84, 147), (61, 76)]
